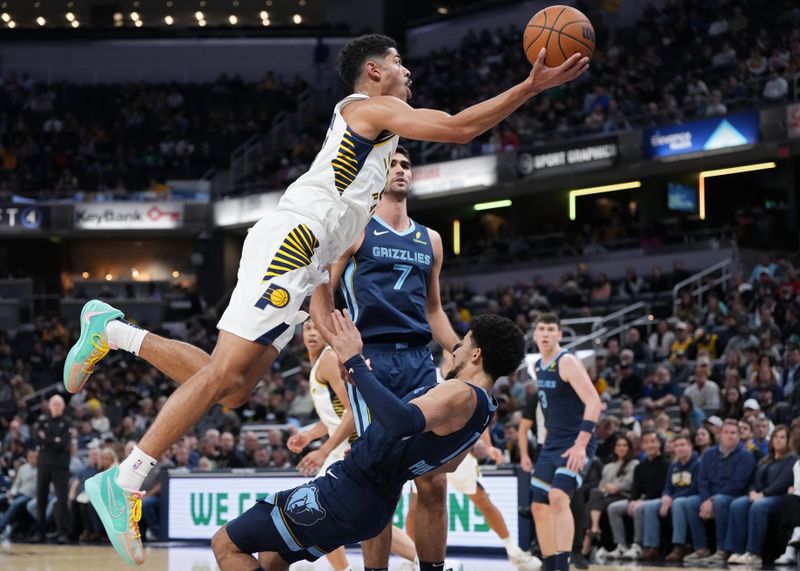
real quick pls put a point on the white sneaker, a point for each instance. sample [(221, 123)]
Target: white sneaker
[(453, 565), (602, 553), (524, 561), (795, 539), (788, 558), (750, 559), (617, 552), (736, 559), (407, 565), (634, 553)]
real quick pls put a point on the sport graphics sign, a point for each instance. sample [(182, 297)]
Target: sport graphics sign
[(197, 506), (704, 135), (129, 216), (592, 154)]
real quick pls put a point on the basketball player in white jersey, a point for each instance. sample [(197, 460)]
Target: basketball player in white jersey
[(284, 259)]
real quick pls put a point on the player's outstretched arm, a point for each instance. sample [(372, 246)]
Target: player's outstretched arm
[(387, 113), (573, 371)]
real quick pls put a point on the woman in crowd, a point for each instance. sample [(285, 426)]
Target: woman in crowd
[(749, 515), (692, 417), (703, 440), (615, 484), (732, 403)]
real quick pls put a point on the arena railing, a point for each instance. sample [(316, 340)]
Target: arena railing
[(699, 285)]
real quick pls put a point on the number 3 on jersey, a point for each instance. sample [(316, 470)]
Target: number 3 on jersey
[(404, 270), (543, 399)]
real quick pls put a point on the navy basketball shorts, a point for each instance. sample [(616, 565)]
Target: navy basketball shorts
[(310, 521), (551, 472), (399, 368)]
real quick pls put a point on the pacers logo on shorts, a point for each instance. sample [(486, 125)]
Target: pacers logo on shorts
[(275, 296)]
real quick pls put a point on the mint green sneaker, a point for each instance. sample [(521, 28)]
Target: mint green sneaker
[(120, 511), (91, 346)]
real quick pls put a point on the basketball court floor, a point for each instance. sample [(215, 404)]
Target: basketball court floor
[(31, 557)]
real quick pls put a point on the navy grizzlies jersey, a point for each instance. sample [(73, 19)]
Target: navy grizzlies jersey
[(385, 284), (389, 462), (561, 405)]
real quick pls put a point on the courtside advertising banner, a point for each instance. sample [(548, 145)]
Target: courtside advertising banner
[(129, 216), (705, 135), (199, 506)]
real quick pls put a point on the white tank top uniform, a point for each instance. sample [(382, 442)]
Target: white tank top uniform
[(329, 409), (320, 215)]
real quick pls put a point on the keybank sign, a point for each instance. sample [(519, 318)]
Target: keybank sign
[(704, 135), (128, 216), (199, 506)]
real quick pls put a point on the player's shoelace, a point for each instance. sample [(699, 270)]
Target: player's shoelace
[(136, 513), (101, 349)]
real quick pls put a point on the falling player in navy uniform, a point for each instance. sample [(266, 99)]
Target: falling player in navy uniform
[(429, 430), (390, 281), (571, 406)]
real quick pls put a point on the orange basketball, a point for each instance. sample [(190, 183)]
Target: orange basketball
[(562, 31)]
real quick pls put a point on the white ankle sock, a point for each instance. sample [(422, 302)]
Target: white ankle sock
[(123, 335), (134, 470), (512, 548)]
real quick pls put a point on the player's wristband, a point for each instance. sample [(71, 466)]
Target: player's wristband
[(587, 426)]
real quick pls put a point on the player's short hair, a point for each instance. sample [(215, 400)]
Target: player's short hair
[(356, 53), (501, 343), (403, 151), (548, 317)]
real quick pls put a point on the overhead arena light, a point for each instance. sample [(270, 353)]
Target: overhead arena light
[(233, 19), (169, 20), (723, 172), (41, 21), (297, 19), (199, 15), (573, 194), (492, 205)]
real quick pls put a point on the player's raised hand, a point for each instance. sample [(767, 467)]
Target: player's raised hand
[(576, 458), (543, 77), (346, 339), (297, 442)]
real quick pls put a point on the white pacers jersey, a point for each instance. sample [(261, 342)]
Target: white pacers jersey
[(327, 404), (344, 184)]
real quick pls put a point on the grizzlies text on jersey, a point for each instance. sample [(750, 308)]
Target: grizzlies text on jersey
[(385, 284)]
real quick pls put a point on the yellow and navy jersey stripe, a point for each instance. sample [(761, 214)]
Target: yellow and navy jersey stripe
[(294, 253), (338, 408), (351, 156)]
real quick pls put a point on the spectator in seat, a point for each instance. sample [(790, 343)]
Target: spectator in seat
[(749, 515), (682, 340), (229, 456), (662, 391), (648, 484), (743, 338), (704, 343), (703, 440), (761, 430), (777, 88), (703, 392), (790, 511), (692, 417), (724, 474), (629, 384), (79, 502), (628, 422), (746, 436), (791, 371), (22, 491), (607, 428), (681, 371), (641, 351), (687, 310), (615, 484), (714, 313), (732, 403), (661, 340), (680, 484)]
